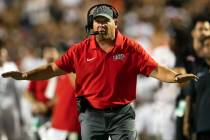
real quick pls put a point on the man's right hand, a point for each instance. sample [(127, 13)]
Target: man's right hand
[(15, 75)]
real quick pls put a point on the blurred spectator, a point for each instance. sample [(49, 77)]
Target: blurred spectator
[(187, 59), (40, 92), (191, 121), (199, 93), (10, 114), (64, 123), (159, 123)]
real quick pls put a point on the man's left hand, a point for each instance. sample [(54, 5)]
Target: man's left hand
[(185, 77)]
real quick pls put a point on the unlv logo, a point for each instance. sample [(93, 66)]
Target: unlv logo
[(119, 56)]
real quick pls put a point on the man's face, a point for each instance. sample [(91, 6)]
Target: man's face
[(106, 27), (201, 29), (206, 49)]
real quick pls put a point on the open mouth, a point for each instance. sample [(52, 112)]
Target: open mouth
[(102, 31)]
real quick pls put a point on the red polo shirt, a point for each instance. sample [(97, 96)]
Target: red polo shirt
[(107, 79), (38, 88)]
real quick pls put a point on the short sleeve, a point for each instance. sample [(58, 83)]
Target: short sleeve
[(66, 61), (146, 64)]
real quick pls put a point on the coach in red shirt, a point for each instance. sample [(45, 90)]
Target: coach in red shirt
[(106, 66)]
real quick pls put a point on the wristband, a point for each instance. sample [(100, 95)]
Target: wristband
[(175, 77), (177, 74)]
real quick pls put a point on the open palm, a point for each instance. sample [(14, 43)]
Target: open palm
[(13, 74), (186, 77)]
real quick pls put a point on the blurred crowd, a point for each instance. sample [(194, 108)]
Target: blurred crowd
[(34, 32)]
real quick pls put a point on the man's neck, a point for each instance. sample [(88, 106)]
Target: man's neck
[(107, 42), (105, 45)]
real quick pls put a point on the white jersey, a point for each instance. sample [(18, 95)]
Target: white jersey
[(7, 85)]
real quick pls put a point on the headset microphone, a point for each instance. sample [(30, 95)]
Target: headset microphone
[(94, 33)]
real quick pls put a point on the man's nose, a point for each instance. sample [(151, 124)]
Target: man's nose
[(205, 32), (102, 24)]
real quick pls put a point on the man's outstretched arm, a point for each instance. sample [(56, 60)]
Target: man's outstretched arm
[(168, 75), (41, 73)]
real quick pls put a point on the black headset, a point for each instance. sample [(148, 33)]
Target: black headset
[(89, 24)]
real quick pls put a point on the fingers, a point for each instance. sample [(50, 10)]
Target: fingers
[(7, 74), (194, 77), (13, 74), (186, 77)]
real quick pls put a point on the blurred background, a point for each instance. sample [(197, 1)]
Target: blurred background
[(163, 27)]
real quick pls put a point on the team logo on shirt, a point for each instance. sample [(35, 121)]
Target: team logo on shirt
[(119, 56)]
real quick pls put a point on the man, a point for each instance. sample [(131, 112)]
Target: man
[(199, 93), (40, 92), (106, 66), (200, 30), (10, 114), (196, 64)]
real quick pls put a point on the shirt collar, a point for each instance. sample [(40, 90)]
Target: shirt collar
[(118, 41)]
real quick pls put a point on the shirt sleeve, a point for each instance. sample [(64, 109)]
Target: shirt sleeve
[(66, 61), (146, 64)]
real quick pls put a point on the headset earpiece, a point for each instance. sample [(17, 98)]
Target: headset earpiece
[(90, 21), (115, 13)]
